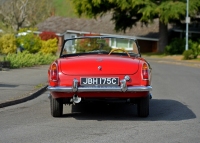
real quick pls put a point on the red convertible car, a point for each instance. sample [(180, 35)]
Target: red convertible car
[(99, 68)]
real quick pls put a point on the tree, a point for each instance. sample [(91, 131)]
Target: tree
[(24, 13), (125, 13), (39, 11)]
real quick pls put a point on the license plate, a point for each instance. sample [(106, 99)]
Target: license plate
[(99, 81)]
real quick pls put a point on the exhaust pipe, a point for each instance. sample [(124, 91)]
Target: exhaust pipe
[(49, 96), (75, 99), (150, 96)]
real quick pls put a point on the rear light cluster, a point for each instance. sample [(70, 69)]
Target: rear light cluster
[(54, 72), (145, 71)]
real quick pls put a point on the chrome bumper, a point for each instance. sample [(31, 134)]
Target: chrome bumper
[(122, 88), (100, 89)]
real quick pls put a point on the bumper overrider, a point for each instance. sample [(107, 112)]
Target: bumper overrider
[(122, 88)]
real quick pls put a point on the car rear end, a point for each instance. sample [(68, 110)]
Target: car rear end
[(82, 78)]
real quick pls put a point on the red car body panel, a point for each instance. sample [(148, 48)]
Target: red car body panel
[(101, 94), (88, 65)]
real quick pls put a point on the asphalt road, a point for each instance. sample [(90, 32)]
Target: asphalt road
[(174, 115)]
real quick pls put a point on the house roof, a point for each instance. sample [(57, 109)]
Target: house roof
[(61, 25)]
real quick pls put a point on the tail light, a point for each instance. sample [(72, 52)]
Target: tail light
[(145, 71), (54, 72)]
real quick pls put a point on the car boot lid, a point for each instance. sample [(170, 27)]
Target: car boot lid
[(99, 65)]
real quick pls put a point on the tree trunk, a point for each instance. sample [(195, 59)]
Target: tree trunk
[(163, 37)]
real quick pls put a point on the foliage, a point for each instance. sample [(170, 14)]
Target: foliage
[(24, 13), (50, 46), (125, 13), (64, 8), (27, 29), (195, 47), (193, 52), (177, 46), (171, 11), (26, 59), (84, 45), (8, 44), (46, 35), (122, 11), (87, 45), (136, 10), (30, 42), (188, 55)]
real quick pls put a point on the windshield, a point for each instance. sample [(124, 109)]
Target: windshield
[(99, 45)]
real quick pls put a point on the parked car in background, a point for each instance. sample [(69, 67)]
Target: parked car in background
[(99, 68)]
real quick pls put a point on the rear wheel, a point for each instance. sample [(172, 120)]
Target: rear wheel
[(56, 107), (143, 107)]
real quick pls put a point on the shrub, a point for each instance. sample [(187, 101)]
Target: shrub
[(187, 55), (84, 45), (26, 59), (195, 47), (44, 59), (8, 44), (50, 46), (30, 42), (27, 29), (46, 35), (177, 46), (193, 52)]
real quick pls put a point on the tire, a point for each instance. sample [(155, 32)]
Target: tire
[(143, 107), (56, 107)]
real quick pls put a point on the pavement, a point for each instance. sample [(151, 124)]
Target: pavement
[(174, 59), (21, 85)]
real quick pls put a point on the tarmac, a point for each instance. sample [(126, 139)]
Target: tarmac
[(21, 85)]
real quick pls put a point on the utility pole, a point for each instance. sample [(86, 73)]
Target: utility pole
[(187, 20)]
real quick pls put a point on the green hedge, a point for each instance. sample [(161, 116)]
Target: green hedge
[(177, 47), (193, 52), (26, 59)]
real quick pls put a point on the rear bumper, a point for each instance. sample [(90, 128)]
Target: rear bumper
[(99, 89)]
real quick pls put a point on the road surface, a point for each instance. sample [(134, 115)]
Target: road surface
[(174, 115)]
